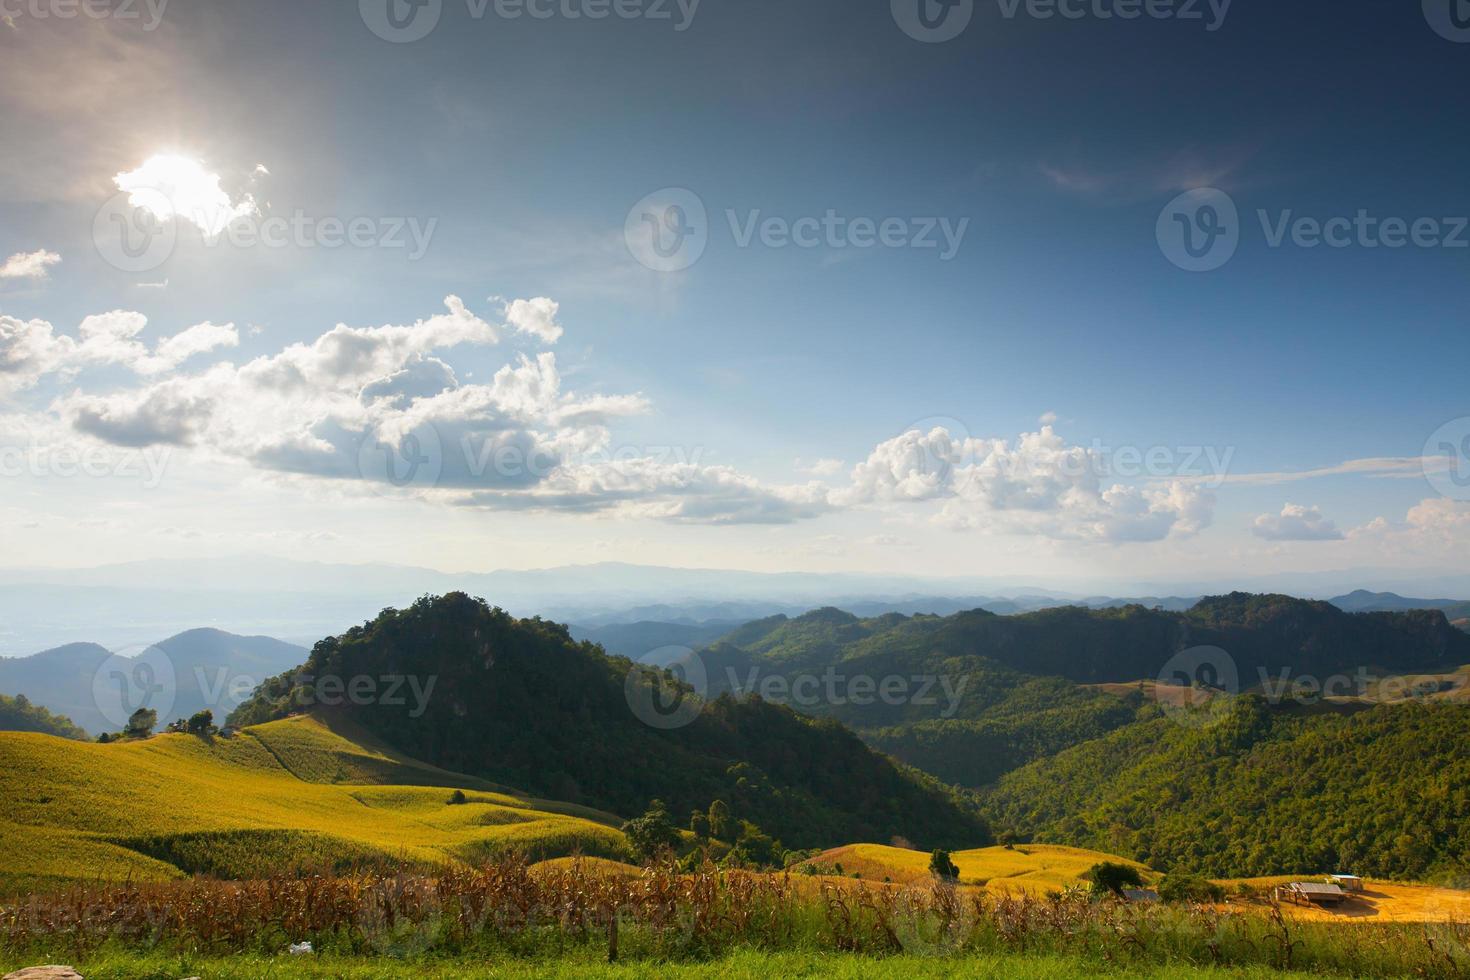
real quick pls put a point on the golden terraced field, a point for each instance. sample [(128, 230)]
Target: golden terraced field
[(290, 794)]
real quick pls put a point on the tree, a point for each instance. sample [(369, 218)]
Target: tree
[(699, 823), (141, 723), (652, 833), (719, 820), (200, 723), (943, 867), (1110, 878), (755, 849), (457, 798)]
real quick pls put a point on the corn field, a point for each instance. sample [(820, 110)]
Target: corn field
[(516, 909)]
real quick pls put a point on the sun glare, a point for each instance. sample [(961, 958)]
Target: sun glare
[(170, 185)]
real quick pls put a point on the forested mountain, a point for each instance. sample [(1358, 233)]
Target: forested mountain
[(1381, 791), (210, 669), (1260, 632), (520, 702), (983, 694)]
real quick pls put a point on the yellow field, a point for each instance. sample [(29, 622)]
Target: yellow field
[(291, 794), (1380, 901), (1026, 867)]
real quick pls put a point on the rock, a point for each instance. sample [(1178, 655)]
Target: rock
[(44, 973)]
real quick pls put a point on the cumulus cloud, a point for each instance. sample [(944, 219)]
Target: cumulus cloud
[(32, 349), (1038, 485), (383, 406), (535, 317), (29, 265), (1436, 524), (1296, 523)]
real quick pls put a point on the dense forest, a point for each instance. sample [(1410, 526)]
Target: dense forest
[(1014, 689), (520, 702), (1381, 791), (17, 714)]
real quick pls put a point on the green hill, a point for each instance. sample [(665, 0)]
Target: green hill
[(295, 794), (518, 701), (1013, 689), (1379, 790)]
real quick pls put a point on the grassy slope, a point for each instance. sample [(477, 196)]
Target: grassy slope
[(1028, 867), (285, 795)]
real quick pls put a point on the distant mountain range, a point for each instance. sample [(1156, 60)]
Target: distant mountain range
[(206, 668), (1456, 611), (132, 604)]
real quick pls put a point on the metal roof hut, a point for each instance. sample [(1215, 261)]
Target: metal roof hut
[(1312, 893)]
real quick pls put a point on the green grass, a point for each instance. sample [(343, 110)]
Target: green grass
[(291, 795), (740, 965)]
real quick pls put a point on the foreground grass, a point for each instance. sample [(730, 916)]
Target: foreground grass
[(737, 965)]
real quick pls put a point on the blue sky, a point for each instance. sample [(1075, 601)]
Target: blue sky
[(527, 141)]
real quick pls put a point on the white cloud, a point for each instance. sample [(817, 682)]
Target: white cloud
[(174, 186), (29, 265), (820, 468), (1438, 524), (1296, 523), (536, 317), (357, 402), (1041, 485)]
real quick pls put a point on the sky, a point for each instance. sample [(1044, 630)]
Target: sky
[(1049, 290)]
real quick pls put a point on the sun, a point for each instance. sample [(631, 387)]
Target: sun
[(172, 185)]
